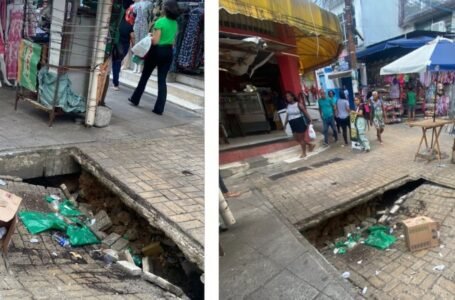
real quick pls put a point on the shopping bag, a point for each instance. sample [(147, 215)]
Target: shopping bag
[(311, 132), (142, 48)]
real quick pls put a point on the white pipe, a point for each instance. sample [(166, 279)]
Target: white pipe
[(225, 211), (103, 16)]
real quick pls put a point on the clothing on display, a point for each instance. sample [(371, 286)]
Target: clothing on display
[(144, 15), (191, 52), (14, 29)]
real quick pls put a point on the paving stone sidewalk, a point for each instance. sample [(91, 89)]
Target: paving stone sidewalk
[(45, 270), (316, 189), (156, 162), (266, 258)]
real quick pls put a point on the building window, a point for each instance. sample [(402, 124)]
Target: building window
[(421, 10)]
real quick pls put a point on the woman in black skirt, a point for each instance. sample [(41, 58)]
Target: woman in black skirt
[(299, 120)]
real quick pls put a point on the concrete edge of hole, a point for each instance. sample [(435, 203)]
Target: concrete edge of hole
[(163, 283), (190, 247), (355, 201)]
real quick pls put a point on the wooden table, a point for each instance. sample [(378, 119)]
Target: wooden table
[(436, 127)]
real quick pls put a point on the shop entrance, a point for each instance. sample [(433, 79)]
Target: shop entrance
[(249, 107)]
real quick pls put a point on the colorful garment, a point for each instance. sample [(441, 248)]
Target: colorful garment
[(378, 115), (16, 13), (361, 125), (411, 99), (143, 11)]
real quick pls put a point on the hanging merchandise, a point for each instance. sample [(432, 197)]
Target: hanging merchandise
[(191, 50), (29, 57), (14, 29), (143, 11), (68, 101)]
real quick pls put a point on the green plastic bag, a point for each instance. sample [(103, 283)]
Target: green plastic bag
[(37, 222), (67, 209), (379, 239), (81, 235), (383, 228)]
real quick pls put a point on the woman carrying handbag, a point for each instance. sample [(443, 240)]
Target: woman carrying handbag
[(160, 55)]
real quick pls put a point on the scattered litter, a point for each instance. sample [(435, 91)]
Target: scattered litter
[(75, 255), (378, 237), (364, 291), (61, 240), (346, 275), (55, 197), (359, 262), (2, 182), (402, 236), (442, 246), (34, 241), (440, 254), (2, 232), (439, 268), (391, 231), (54, 254), (377, 273)]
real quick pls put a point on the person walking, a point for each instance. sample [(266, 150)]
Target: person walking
[(343, 111), (126, 38), (378, 115), (332, 97), (299, 120), (411, 95), (327, 110), (361, 124), (160, 55)]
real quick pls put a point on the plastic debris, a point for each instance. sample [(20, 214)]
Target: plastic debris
[(364, 291), (2, 182), (37, 222), (346, 275), (76, 255), (402, 236), (379, 238), (439, 268), (442, 246), (359, 262), (34, 240), (377, 272), (61, 240), (81, 235), (54, 254), (440, 254), (55, 197), (68, 209)]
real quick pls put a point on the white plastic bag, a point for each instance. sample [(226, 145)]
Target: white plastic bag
[(142, 48), (311, 132)]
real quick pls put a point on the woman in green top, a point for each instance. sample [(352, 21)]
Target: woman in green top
[(411, 105), (160, 55)]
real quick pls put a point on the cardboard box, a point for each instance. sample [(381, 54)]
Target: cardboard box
[(9, 204), (421, 233)]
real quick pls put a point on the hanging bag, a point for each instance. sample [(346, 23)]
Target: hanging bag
[(143, 47), (311, 132)]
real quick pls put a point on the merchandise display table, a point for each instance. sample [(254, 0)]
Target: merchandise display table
[(436, 127)]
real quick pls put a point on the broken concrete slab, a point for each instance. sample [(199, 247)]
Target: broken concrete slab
[(120, 244), (111, 239), (102, 222), (164, 284), (128, 267), (126, 255), (147, 265)]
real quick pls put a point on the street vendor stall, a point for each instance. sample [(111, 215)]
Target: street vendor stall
[(437, 59)]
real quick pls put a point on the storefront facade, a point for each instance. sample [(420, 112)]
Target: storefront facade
[(289, 48)]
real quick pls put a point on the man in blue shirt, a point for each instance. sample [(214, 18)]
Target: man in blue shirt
[(327, 110)]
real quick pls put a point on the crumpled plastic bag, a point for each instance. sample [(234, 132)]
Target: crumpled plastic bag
[(379, 237), (68, 209), (81, 235), (37, 222)]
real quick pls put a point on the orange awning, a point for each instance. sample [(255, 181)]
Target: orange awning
[(317, 31)]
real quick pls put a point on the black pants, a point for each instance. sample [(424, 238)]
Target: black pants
[(161, 57), (345, 125)]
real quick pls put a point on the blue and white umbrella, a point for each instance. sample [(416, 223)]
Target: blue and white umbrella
[(437, 55)]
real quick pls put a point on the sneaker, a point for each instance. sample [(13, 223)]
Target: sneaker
[(325, 144), (116, 88), (342, 146)]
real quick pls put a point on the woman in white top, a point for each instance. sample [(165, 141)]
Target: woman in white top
[(343, 116), (299, 120)]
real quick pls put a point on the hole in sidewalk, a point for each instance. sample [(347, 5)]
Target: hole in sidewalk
[(390, 209), (166, 260)]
